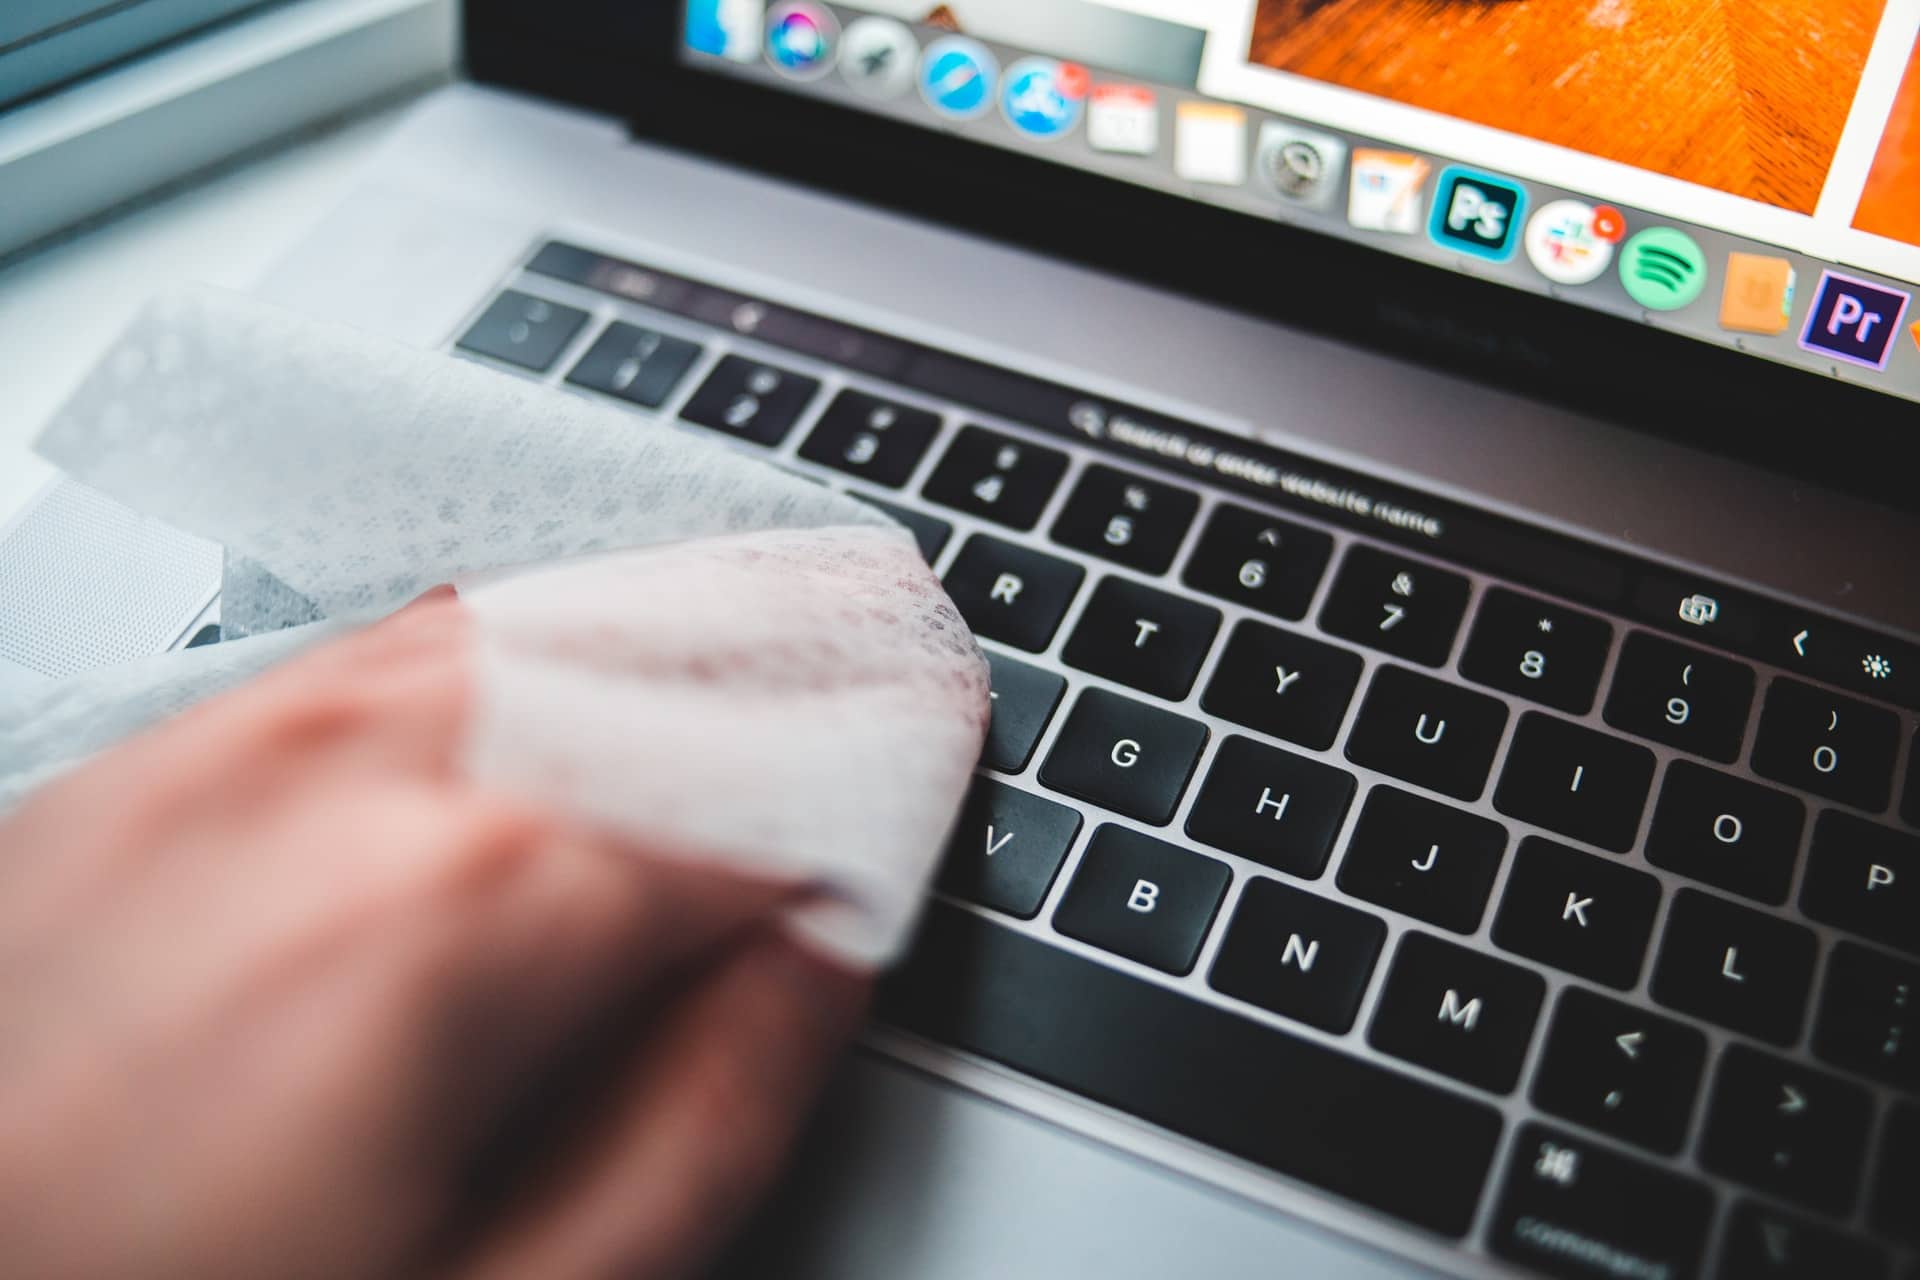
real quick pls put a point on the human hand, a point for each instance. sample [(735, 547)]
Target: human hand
[(282, 993)]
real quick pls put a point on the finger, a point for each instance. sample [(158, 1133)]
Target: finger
[(542, 939), (698, 1126)]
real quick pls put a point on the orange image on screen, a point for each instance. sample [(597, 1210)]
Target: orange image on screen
[(1890, 205), (1746, 96)]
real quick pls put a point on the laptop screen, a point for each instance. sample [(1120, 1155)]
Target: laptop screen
[(1744, 175)]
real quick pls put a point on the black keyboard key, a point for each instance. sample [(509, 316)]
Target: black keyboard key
[(1396, 605), (1764, 1244), (750, 399), (1572, 780), (1686, 698), (1537, 650), (1460, 1012), (1023, 701), (996, 477), (1621, 1070), (1271, 806), (871, 437), (1010, 593), (1282, 684), (524, 330), (1143, 898), (641, 366), (1896, 1184), (1125, 755), (1577, 912), (1864, 878), (1126, 518), (1734, 967), (1726, 831), (1436, 735), (1298, 954), (1253, 559), (1829, 745), (1349, 1127), (1869, 1019), (929, 531), (1786, 1129), (1141, 637), (1423, 858), (1574, 1209), (1006, 847)]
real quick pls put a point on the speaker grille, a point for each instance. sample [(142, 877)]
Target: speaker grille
[(86, 582)]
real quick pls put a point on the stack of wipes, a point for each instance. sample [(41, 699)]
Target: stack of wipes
[(671, 638)]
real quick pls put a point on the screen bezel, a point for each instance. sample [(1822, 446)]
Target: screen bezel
[(621, 56)]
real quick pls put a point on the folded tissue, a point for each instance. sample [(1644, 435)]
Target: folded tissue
[(671, 637)]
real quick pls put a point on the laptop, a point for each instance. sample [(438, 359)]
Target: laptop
[(1435, 486)]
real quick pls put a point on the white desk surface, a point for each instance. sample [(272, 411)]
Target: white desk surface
[(60, 306)]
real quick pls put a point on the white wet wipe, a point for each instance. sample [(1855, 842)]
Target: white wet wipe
[(671, 638)]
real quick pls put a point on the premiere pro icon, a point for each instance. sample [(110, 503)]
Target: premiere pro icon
[(1854, 320)]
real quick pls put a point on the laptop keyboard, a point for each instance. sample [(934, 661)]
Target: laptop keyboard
[(1504, 917)]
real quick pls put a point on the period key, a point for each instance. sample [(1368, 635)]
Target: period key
[(1786, 1129)]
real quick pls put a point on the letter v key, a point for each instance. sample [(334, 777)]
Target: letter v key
[(995, 846)]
